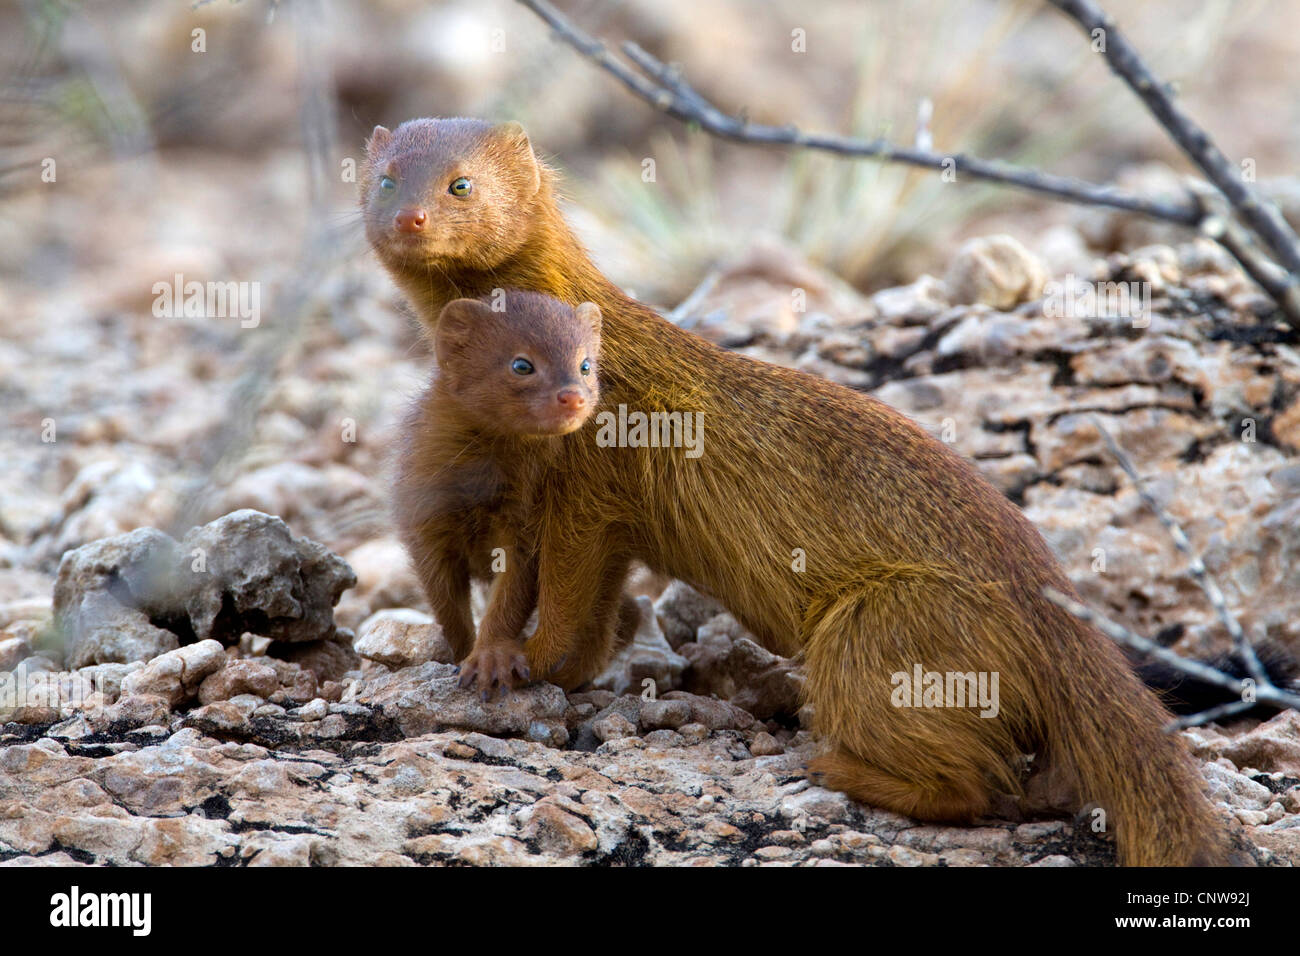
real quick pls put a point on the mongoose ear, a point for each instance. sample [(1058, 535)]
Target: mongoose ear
[(380, 137), (589, 314), (459, 323), (512, 134)]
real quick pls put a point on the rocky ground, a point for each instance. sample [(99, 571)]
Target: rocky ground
[(269, 690)]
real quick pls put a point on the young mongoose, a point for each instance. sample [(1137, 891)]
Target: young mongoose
[(511, 383), (824, 520)]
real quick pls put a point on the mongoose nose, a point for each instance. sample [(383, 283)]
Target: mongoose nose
[(572, 399), (410, 220)]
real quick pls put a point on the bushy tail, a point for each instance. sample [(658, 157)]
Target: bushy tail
[(1106, 728)]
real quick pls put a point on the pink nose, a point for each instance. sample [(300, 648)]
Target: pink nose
[(411, 220), (572, 399)]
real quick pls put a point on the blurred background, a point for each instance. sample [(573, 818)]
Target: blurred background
[(215, 140)]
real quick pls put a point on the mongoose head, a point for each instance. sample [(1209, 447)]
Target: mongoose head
[(527, 369), (449, 190)]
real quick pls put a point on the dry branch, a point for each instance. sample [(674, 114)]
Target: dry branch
[(1263, 690), (664, 88), (1196, 566), (1264, 693), (667, 90), (1262, 216)]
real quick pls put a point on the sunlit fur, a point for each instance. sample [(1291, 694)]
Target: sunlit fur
[(911, 557)]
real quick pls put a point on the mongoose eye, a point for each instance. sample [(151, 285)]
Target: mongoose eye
[(387, 183), (521, 366), (460, 187), (585, 367)]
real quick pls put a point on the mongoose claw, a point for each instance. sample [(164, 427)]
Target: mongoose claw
[(496, 669)]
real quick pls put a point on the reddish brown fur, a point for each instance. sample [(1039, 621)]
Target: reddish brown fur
[(911, 556), (481, 442)]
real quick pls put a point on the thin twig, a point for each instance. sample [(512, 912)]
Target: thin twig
[(1211, 715), (1195, 565), (1268, 275), (686, 309), (1264, 692), (1260, 214)]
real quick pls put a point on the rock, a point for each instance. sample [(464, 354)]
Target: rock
[(239, 677), (296, 683), (1236, 790), (738, 669), (816, 803), (427, 697), (135, 710), (37, 663), (693, 733), (664, 738), (139, 565), (101, 630), (459, 796), (33, 633), (914, 304), (176, 675), (712, 713), (138, 595), (715, 714), (317, 709), (680, 610), (767, 293), (765, 745), (402, 637), (385, 579), (259, 577), (60, 860), (1272, 746), (218, 718), (327, 660), (1281, 837), (26, 598), (648, 657), (13, 650), (939, 838), (996, 271), (613, 727), (663, 714), (556, 831), (32, 714), (31, 685), (109, 591), (107, 678), (822, 848)]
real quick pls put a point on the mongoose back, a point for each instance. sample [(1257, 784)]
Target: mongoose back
[(909, 556), (511, 382)]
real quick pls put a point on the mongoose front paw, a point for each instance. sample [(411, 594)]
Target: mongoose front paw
[(495, 668)]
